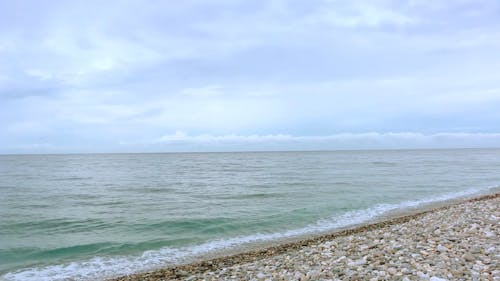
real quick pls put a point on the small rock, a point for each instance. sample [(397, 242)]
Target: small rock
[(422, 275), (475, 250), (441, 248), (490, 250), (468, 257), (434, 278), (357, 262), (489, 234), (392, 271)]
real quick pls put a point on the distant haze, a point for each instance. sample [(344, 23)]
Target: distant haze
[(132, 76)]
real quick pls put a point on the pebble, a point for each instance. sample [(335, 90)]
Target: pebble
[(392, 271), (441, 248), (434, 278), (459, 242), (357, 262), (468, 257)]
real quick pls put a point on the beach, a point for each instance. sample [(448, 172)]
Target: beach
[(459, 241), (249, 140), (101, 216)]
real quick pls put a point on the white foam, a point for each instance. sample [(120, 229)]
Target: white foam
[(106, 267)]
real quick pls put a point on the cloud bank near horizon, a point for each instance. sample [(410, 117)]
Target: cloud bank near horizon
[(89, 75), (182, 142)]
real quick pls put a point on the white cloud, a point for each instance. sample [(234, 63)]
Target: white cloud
[(245, 67), (180, 136), (361, 14), (370, 140)]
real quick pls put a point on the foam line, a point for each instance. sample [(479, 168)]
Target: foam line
[(106, 267)]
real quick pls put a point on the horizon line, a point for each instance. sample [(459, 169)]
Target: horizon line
[(257, 151)]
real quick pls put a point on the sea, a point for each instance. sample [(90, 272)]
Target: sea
[(96, 216)]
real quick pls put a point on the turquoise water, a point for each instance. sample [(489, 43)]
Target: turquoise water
[(91, 216)]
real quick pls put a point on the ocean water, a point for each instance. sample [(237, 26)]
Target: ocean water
[(93, 216)]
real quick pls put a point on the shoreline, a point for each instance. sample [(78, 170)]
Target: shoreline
[(218, 262)]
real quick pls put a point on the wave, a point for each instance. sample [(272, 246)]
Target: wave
[(108, 267)]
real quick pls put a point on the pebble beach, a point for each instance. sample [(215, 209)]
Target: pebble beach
[(456, 242)]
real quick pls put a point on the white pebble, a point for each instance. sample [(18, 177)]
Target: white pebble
[(434, 278), (442, 248)]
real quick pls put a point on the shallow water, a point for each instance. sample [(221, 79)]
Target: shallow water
[(92, 216)]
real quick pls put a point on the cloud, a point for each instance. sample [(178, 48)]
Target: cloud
[(361, 14), (182, 142), (88, 73), (180, 136), (372, 140)]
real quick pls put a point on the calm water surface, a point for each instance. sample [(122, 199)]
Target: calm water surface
[(93, 216)]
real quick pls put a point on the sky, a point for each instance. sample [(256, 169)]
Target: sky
[(159, 76)]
